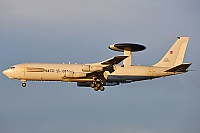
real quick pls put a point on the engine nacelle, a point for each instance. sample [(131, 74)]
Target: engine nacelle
[(70, 74), (90, 68)]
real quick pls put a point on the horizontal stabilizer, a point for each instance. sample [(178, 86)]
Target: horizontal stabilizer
[(114, 60), (180, 68)]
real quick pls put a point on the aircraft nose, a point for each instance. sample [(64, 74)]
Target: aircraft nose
[(5, 72), (8, 73)]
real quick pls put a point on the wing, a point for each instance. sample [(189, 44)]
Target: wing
[(111, 62), (108, 65), (114, 60)]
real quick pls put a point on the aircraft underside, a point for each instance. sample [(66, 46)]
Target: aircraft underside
[(126, 78)]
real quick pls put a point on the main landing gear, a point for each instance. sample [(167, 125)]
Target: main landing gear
[(97, 86)]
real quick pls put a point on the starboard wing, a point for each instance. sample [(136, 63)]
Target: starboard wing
[(114, 60), (108, 65)]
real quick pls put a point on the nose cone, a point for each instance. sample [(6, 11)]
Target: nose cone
[(5, 72)]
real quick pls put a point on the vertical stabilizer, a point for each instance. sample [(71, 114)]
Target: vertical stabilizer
[(175, 55)]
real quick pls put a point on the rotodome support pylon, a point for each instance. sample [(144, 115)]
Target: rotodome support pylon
[(127, 48)]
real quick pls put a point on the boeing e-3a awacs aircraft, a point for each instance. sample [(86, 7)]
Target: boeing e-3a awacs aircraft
[(105, 73)]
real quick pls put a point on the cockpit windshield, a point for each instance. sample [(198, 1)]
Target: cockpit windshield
[(12, 67)]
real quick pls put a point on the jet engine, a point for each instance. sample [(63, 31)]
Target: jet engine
[(90, 68)]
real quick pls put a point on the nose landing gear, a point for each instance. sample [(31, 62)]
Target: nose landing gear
[(23, 83)]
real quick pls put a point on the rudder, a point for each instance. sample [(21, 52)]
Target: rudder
[(175, 55)]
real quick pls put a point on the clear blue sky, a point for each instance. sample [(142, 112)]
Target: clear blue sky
[(80, 31)]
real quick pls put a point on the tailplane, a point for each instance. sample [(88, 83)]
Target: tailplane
[(175, 55), (180, 68)]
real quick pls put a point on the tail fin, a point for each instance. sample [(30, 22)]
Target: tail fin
[(175, 55)]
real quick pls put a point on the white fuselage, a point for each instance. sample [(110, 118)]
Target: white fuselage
[(105, 73), (59, 72)]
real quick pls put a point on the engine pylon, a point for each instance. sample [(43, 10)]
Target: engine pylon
[(127, 48)]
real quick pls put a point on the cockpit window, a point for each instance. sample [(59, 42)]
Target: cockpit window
[(12, 67)]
